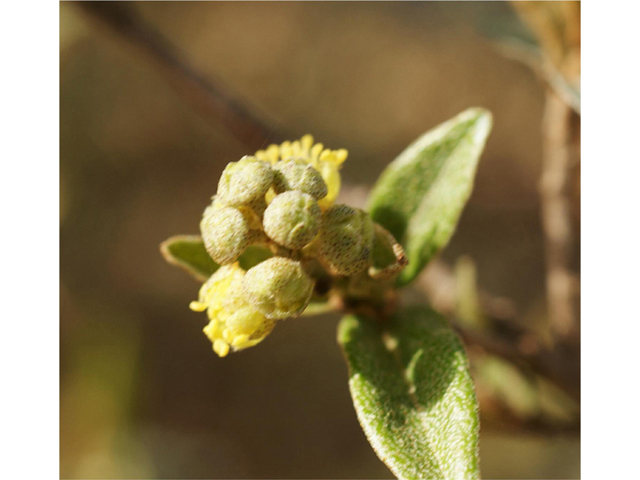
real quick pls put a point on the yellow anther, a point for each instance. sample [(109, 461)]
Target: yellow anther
[(221, 348), (328, 162), (341, 156), (240, 340), (230, 316), (197, 306), (307, 142)]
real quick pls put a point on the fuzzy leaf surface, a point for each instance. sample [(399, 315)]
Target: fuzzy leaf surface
[(421, 194), (413, 394), (188, 253)]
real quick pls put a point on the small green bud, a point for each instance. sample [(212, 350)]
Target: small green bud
[(278, 288), (225, 232), (298, 174), (292, 219), (345, 240), (245, 182)]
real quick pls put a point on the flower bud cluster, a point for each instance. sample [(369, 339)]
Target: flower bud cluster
[(283, 198), (233, 322)]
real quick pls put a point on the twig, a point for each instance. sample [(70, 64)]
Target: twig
[(556, 26), (556, 217), (534, 58), (207, 96), (500, 417), (504, 335), (438, 282), (560, 366)]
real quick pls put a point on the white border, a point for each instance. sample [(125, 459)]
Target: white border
[(29, 195), (29, 192), (610, 240)]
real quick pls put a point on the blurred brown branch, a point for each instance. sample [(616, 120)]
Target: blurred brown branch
[(555, 186), (533, 58), (504, 336), (556, 26), (560, 365), (207, 96), (499, 416)]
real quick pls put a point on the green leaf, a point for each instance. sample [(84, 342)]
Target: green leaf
[(188, 253), (420, 195), (318, 307), (413, 394), (254, 255)]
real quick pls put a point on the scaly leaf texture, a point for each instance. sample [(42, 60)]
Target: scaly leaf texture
[(421, 194), (413, 394)]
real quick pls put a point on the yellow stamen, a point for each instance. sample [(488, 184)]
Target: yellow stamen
[(221, 348)]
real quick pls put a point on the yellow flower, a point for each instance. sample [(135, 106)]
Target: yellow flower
[(233, 323), (327, 162)]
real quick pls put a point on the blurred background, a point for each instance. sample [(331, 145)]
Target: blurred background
[(142, 393)]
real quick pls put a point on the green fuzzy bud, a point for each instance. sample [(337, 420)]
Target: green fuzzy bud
[(297, 174), (292, 219), (345, 240), (225, 232), (245, 182), (278, 288)]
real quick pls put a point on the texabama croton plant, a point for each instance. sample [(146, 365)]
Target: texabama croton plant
[(275, 244)]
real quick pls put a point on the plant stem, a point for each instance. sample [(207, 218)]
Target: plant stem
[(556, 217), (208, 96)]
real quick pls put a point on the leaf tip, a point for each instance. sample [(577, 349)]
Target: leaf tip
[(483, 119), (188, 253), (165, 249)]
